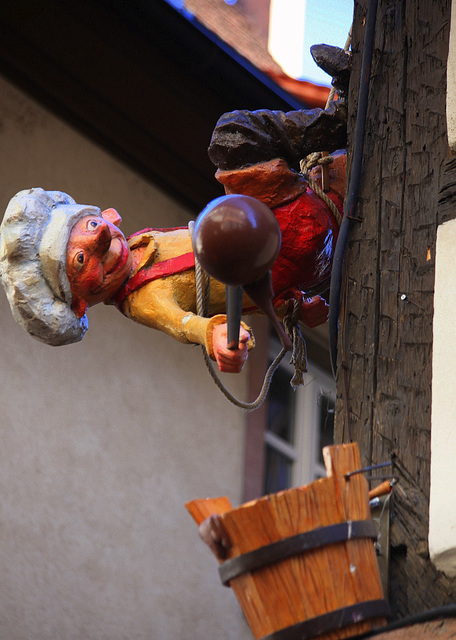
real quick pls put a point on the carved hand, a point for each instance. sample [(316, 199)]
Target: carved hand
[(229, 361)]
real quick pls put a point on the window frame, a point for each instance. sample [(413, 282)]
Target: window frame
[(317, 379), (304, 451)]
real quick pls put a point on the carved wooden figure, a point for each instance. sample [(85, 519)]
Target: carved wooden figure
[(57, 258)]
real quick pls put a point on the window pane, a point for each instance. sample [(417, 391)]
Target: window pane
[(326, 422), (277, 471), (281, 403)]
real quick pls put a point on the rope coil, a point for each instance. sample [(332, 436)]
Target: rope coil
[(291, 324), (305, 166), (299, 352), (320, 158)]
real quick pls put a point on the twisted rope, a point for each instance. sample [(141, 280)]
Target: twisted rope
[(318, 158), (246, 406), (299, 352), (305, 166), (202, 300)]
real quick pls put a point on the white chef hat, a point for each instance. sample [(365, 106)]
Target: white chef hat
[(33, 242)]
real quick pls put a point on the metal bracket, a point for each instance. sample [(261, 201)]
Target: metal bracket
[(380, 511)]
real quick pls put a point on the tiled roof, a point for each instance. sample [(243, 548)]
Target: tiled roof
[(234, 25), (310, 94)]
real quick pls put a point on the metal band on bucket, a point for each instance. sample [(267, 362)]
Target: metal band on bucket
[(337, 619), (282, 549)]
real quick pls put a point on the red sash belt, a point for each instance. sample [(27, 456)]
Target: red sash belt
[(154, 272)]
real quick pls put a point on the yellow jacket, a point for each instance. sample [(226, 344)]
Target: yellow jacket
[(169, 303)]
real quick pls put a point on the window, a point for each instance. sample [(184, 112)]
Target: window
[(280, 451), (298, 425), (284, 437)]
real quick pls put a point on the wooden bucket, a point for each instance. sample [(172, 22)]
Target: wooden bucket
[(302, 562)]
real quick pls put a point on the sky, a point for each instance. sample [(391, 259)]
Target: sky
[(298, 24), (327, 22)]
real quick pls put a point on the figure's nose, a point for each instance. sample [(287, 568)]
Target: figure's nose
[(103, 237)]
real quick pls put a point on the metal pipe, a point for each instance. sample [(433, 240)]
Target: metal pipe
[(353, 186)]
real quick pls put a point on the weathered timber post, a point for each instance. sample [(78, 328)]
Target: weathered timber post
[(385, 339)]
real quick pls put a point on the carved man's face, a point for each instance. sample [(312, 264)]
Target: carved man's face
[(98, 259)]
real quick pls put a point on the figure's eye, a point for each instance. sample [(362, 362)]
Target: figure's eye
[(80, 258), (93, 224)]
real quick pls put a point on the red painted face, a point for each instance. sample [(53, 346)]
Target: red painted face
[(98, 259)]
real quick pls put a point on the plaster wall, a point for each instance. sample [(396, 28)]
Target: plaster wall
[(442, 506), (102, 442), (451, 81)]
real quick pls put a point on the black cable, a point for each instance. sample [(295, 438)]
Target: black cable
[(353, 187), (445, 611)]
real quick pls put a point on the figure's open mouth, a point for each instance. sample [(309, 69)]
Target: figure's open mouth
[(122, 253)]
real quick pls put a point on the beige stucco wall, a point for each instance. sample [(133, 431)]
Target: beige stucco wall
[(442, 506), (451, 82), (104, 441)]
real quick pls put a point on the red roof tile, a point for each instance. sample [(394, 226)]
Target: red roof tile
[(235, 25)]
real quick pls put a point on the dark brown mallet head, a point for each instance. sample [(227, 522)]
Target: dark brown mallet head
[(237, 239)]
